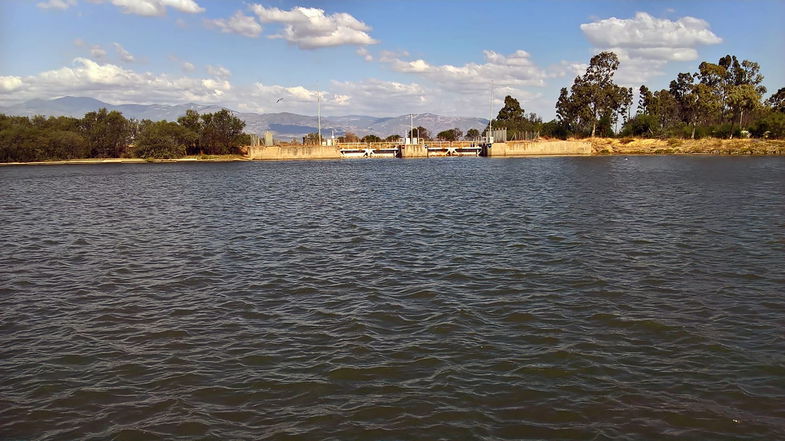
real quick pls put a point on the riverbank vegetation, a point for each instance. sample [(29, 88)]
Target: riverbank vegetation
[(103, 134)]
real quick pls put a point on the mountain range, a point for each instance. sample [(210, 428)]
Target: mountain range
[(283, 125)]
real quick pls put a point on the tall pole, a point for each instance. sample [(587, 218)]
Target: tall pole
[(411, 128), (319, 113), (490, 115)]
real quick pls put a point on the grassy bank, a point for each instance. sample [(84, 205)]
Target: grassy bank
[(676, 146)]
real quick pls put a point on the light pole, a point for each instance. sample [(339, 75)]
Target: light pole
[(319, 114), (411, 128), (490, 116)]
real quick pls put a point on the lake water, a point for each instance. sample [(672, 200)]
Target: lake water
[(548, 298)]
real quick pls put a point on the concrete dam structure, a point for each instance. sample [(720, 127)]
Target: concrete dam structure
[(425, 150)]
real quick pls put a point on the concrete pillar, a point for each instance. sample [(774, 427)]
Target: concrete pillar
[(414, 151)]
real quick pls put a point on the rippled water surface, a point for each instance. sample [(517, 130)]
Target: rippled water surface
[(552, 298)]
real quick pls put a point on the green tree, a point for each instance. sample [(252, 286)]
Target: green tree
[(777, 101), (348, 137), (594, 97), (312, 139), (393, 138), (743, 98), (666, 109), (685, 93), (449, 135), (771, 124), (446, 135), (18, 140), (420, 132), (193, 123), (371, 138), (472, 134), (642, 124), (745, 90), (162, 139), (222, 133), (645, 100), (511, 117), (731, 90), (511, 111), (555, 129), (107, 133)]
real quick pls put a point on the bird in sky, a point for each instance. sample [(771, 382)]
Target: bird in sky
[(279, 100)]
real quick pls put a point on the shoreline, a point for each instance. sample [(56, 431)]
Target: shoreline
[(90, 161), (600, 147), (232, 159)]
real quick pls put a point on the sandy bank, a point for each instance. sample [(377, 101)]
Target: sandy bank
[(676, 146)]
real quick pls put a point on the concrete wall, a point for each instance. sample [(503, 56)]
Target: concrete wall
[(534, 148), (414, 151), (499, 149), (283, 153)]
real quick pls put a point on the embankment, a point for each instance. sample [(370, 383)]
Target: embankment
[(677, 146), (283, 153), (539, 148)]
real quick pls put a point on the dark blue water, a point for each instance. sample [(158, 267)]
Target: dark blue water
[(558, 298)]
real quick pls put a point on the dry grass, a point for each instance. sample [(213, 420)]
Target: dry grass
[(676, 146)]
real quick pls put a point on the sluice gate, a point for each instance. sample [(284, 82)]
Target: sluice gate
[(454, 151), (435, 149), (371, 152)]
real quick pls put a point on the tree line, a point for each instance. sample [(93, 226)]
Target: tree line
[(722, 100), (108, 134)]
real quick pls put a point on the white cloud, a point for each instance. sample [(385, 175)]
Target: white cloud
[(647, 31), (565, 68), (311, 28), (10, 83), (218, 71), (185, 66), (646, 44), (56, 4), (339, 98), (515, 69), (189, 6), (363, 52), (271, 94), (97, 52), (115, 84), (239, 23), (366, 96), (123, 53), (154, 8)]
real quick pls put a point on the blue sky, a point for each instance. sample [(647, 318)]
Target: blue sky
[(366, 57)]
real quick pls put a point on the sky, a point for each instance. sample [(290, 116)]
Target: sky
[(367, 57)]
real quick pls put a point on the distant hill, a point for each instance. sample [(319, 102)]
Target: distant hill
[(284, 125)]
